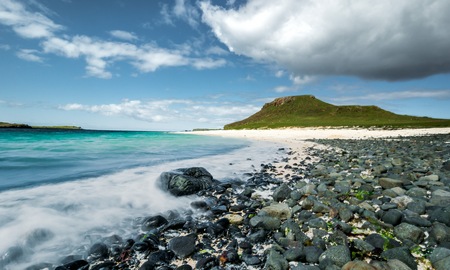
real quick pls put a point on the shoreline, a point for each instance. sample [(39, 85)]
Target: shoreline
[(311, 205)]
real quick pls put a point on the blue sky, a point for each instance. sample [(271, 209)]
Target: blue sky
[(183, 64)]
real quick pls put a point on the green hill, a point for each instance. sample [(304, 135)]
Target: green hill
[(308, 111), (14, 125)]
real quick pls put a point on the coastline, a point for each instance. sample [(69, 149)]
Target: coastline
[(285, 202)]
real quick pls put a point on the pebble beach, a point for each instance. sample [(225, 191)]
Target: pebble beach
[(332, 199)]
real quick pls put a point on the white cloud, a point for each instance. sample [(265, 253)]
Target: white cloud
[(401, 95), (5, 47), (297, 83), (100, 54), (29, 55), (171, 110), (216, 50), (129, 36), (26, 23), (187, 12), (385, 40)]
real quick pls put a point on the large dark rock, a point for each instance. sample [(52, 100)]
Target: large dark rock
[(400, 253), (338, 255), (183, 246), (186, 181), (276, 261)]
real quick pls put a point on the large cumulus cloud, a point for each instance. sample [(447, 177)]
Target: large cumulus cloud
[(383, 39)]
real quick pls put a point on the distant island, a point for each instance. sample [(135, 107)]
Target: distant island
[(308, 111), (15, 125)]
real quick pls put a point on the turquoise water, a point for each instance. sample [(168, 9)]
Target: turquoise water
[(30, 157), (81, 186)]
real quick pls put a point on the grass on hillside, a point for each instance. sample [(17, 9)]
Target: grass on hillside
[(307, 111)]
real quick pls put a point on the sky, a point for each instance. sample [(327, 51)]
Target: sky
[(184, 64)]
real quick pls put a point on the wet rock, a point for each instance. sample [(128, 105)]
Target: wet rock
[(183, 246), (417, 207), (38, 236), (338, 255), (98, 251), (74, 265), (186, 181), (153, 222), (40, 266), (206, 263)]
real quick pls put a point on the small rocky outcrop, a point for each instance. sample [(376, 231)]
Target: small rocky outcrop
[(186, 181)]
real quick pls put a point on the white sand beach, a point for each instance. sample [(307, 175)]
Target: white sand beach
[(292, 136)]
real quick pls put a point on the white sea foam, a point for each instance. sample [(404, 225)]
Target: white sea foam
[(52, 221)]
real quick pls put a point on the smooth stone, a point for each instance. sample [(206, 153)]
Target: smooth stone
[(402, 201), (276, 261), (439, 254), (265, 222), (293, 232), (392, 216), (441, 215), (432, 177), (345, 213), (183, 246), (417, 221), (320, 207), (234, 219), (251, 259), (278, 210), (312, 254), (367, 206), (358, 265), (400, 253), (440, 232), (388, 183), (339, 255), (418, 207), (363, 245), (398, 190), (317, 223), (440, 197), (305, 267), (295, 254), (406, 231), (395, 264), (308, 189), (416, 192), (443, 264)]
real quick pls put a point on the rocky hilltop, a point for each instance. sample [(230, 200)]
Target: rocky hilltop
[(308, 111)]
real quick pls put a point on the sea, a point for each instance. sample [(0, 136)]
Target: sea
[(61, 191)]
